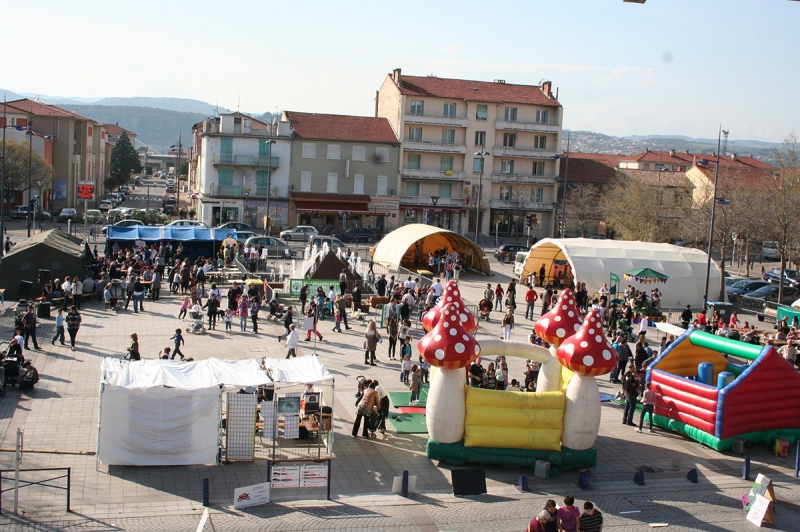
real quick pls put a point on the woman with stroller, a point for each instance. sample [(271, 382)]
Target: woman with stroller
[(368, 405)]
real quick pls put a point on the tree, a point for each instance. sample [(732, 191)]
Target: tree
[(631, 207), (124, 159), (583, 205), (18, 155)]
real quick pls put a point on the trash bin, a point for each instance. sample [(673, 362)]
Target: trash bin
[(43, 310), (725, 309)]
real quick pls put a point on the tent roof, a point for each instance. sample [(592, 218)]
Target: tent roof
[(148, 233), (592, 261), (54, 239), (394, 246), (182, 375), (306, 369)]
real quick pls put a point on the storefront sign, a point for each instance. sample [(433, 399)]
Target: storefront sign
[(384, 205), (251, 495), (285, 477)]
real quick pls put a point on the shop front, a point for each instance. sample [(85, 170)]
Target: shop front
[(341, 211), (444, 218), (513, 223), (253, 212)]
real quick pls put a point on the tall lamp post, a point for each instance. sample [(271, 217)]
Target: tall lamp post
[(30, 173), (3, 183), (713, 213), (178, 173), (270, 142), (483, 153), (246, 197), (563, 231), (435, 200)]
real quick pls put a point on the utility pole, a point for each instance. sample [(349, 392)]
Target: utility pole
[(3, 182), (30, 172)]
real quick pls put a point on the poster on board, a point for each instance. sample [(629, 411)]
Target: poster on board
[(314, 476), (285, 477), (251, 495)]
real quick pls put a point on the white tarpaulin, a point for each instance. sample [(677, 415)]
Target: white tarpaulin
[(304, 370), (158, 426), (592, 261), (184, 375)]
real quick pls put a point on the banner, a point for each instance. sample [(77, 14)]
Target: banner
[(60, 190)]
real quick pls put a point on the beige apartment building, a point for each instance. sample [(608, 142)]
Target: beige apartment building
[(469, 143)]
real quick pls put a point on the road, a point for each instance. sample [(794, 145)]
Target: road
[(150, 188)]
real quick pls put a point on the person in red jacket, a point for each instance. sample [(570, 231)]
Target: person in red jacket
[(530, 298)]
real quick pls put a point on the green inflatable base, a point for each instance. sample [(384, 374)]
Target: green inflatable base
[(457, 454), (765, 437)]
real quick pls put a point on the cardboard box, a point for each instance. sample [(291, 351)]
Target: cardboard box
[(541, 469)]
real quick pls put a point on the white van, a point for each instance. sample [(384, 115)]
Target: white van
[(519, 262), (769, 250)]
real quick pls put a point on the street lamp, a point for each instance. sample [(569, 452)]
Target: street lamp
[(435, 200), (246, 197), (30, 170), (270, 142), (483, 153), (713, 213), (566, 174)]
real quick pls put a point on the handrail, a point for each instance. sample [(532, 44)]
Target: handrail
[(27, 483)]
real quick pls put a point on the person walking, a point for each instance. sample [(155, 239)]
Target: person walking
[(138, 295), (179, 341), (292, 339), (242, 310), (591, 518), (569, 517), (59, 327), (155, 286), (372, 337), (287, 323), (498, 296), (254, 308), (29, 328), (648, 406), (129, 288), (508, 323), (686, 317), (73, 324), (133, 349), (341, 308), (212, 304), (530, 299), (314, 315)]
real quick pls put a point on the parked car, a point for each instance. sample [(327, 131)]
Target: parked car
[(187, 223), (790, 277), (743, 287), (301, 233), (94, 216), (169, 199), (356, 235), (122, 223), (770, 293), (68, 213), (332, 241), (106, 205), (236, 226), (125, 189), (769, 250), (20, 212), (730, 280), (508, 252), (170, 189), (275, 246)]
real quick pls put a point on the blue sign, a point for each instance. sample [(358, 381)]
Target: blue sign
[(60, 190)]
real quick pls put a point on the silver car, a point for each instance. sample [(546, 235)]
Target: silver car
[(301, 233), (275, 246)]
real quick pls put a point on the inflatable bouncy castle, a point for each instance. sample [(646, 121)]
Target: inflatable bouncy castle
[(703, 393), (558, 423)]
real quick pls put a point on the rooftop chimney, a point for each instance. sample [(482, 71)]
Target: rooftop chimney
[(647, 150), (733, 157), (672, 153), (546, 87), (396, 76)]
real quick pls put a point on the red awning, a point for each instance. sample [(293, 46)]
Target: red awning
[(332, 207)]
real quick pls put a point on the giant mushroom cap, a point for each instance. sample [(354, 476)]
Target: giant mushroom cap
[(449, 345), (561, 322), (588, 352), (451, 296)]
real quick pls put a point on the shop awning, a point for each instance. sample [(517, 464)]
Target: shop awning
[(331, 207)]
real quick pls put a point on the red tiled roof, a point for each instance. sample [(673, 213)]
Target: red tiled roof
[(40, 109), (684, 158), (584, 170), (341, 127), (114, 129), (609, 159), (748, 176), (656, 178), (464, 89)]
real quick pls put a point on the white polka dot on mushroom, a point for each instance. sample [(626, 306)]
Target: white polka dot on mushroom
[(606, 354), (588, 360), (477, 349), (459, 347), (439, 354), (598, 339), (577, 326), (563, 307), (571, 314), (453, 331), (438, 337), (561, 333), (557, 318)]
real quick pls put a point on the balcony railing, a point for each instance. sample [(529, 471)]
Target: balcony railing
[(433, 174), (436, 120), (261, 191), (542, 127), (227, 190), (248, 160), (426, 200), (435, 147), (523, 205), (517, 151), (524, 178)]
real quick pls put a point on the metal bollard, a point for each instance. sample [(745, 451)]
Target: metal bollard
[(405, 483), (797, 460), (205, 491), (746, 468)]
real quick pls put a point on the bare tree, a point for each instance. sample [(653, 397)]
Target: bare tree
[(19, 160), (631, 208), (583, 206)]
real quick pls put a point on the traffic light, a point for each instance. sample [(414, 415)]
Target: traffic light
[(529, 220)]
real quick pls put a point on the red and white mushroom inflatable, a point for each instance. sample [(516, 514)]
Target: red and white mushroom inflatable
[(555, 327), (451, 296), (450, 347), (588, 354)]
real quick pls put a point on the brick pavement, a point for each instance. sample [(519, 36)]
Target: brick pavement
[(62, 414)]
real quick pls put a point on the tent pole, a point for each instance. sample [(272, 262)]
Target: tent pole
[(99, 427)]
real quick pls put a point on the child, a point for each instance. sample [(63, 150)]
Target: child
[(164, 355), (176, 281), (178, 337), (59, 327), (405, 329), (184, 308), (328, 306), (228, 319), (338, 320), (425, 369), (416, 382), (405, 368)]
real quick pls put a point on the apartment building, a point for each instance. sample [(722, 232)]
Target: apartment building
[(344, 171), (475, 152), (239, 170)]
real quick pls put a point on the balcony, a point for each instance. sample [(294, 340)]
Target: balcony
[(228, 159), (524, 179), (517, 151), (426, 201), (447, 175), (436, 147), (537, 127), (436, 120), (542, 206), (227, 190)]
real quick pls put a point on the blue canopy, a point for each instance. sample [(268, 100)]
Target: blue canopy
[(156, 234)]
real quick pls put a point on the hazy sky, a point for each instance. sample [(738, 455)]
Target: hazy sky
[(665, 67)]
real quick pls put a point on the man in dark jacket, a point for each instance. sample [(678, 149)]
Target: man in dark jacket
[(686, 317), (29, 328), (630, 387), (213, 306), (287, 320), (232, 295), (380, 285)]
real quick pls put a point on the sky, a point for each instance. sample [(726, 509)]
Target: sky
[(669, 67)]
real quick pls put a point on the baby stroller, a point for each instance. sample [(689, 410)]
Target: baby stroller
[(10, 374), (625, 330), (197, 327), (276, 310), (485, 307), (373, 421)]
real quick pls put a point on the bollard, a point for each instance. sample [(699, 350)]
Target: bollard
[(205, 491), (797, 460), (639, 478), (405, 483), (523, 483), (746, 468), (583, 479), (692, 476)]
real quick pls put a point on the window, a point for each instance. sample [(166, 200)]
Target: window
[(538, 168), (415, 134), (445, 190), (448, 136), (509, 140), (412, 188), (309, 150), (541, 116), (333, 183), (537, 194), (381, 155), (90, 131), (226, 145), (305, 181), (262, 178), (226, 176), (505, 193), (417, 107), (450, 110), (359, 153), (413, 161), (540, 142), (481, 113), (507, 166), (477, 165), (334, 151), (446, 163), (511, 114), (383, 184), (480, 138), (358, 184)]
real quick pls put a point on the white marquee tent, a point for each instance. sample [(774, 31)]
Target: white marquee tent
[(592, 261), (162, 412)]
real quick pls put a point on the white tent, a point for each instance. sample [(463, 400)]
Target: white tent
[(161, 412), (592, 261)]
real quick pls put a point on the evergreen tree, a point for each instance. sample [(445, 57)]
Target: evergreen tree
[(123, 159)]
